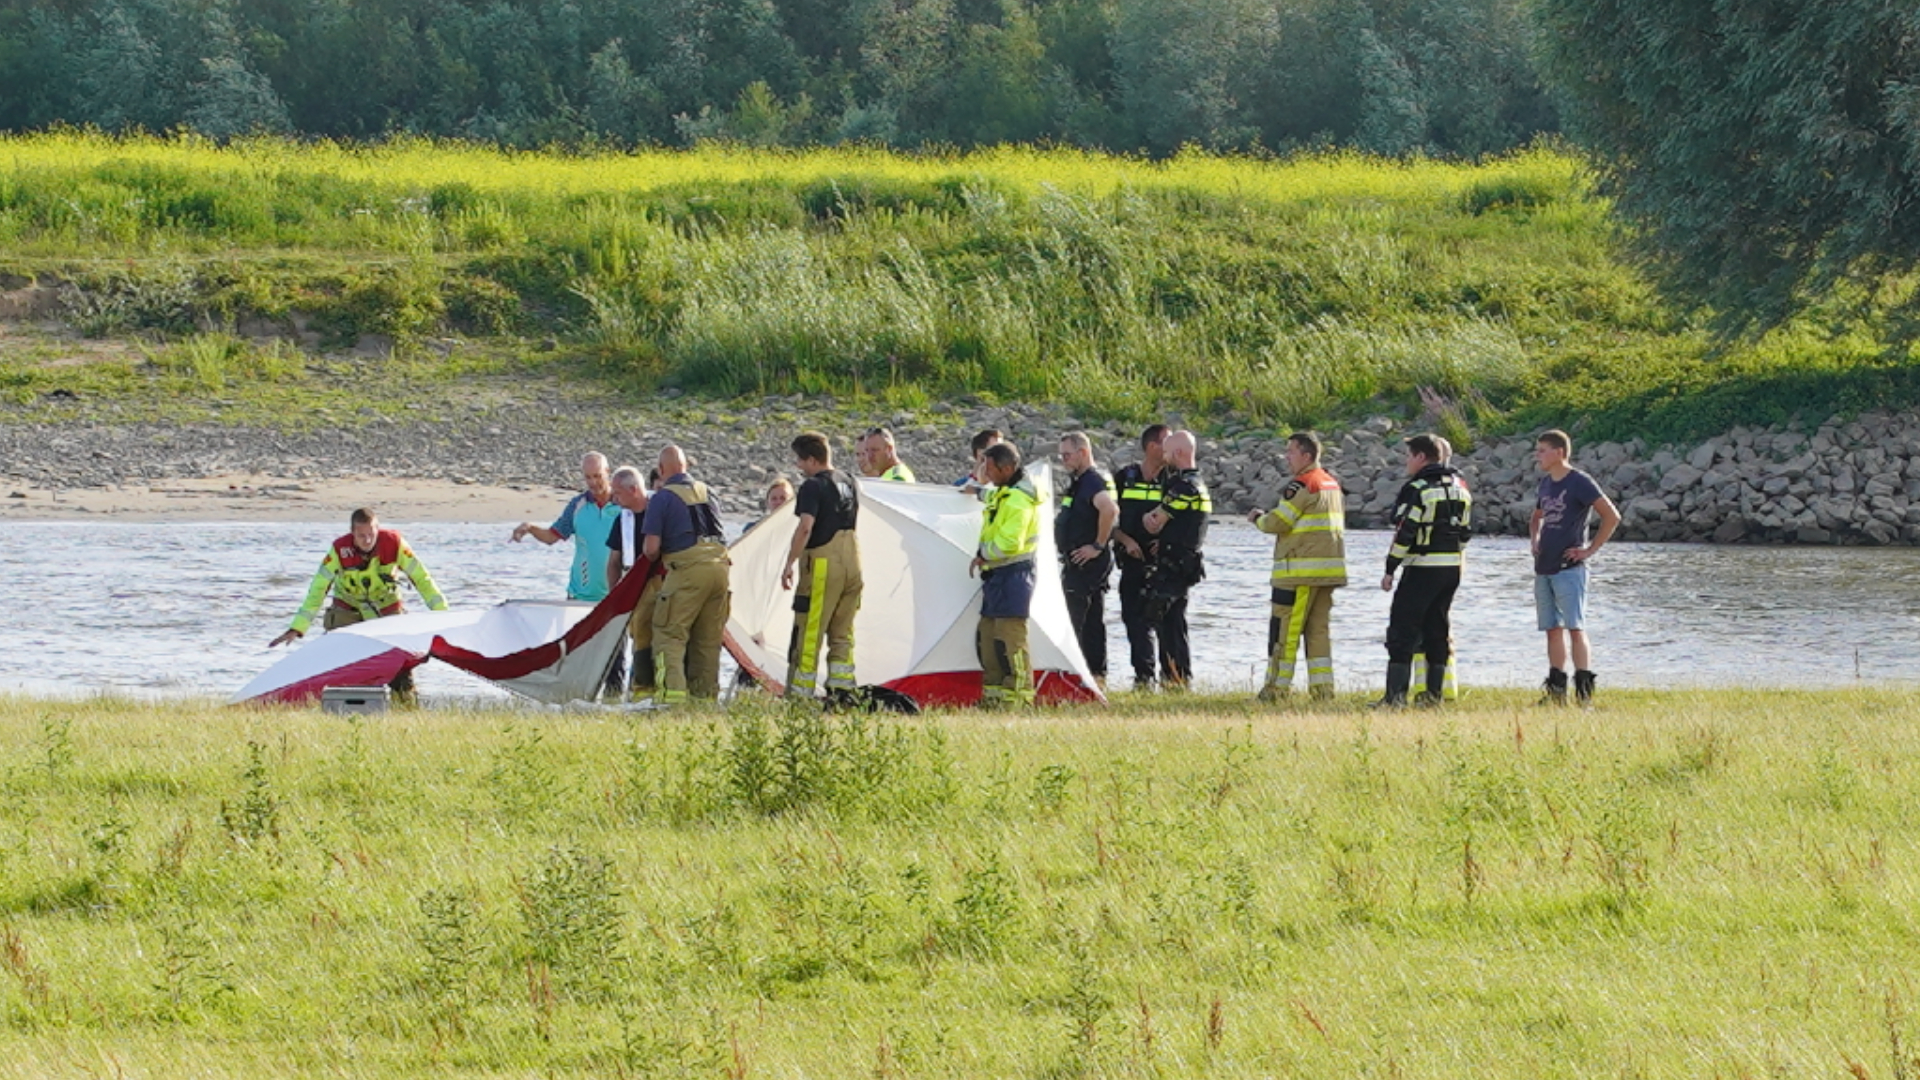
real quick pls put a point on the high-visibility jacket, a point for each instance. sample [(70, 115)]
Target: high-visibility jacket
[(367, 581), (899, 472), (1310, 532), (1010, 523), (1433, 519)]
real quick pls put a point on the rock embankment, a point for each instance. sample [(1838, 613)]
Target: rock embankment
[(1841, 482)]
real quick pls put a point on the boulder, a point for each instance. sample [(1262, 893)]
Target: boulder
[(1680, 477)]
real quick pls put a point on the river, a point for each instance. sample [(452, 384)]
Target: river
[(185, 610)]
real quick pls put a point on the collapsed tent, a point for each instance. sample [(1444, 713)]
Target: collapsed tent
[(554, 651), (919, 609)]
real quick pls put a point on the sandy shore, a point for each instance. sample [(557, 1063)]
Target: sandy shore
[(261, 497)]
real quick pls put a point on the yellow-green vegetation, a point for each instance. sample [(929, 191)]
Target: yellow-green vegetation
[(1298, 290), (1680, 884)]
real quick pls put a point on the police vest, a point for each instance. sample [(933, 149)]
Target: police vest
[(1077, 524), (1188, 504)]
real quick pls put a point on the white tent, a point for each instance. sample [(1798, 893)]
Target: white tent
[(553, 651), (919, 610)]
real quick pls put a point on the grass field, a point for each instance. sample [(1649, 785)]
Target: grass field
[(1679, 884), (1249, 292)]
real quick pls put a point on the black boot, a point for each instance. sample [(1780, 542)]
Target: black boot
[(1436, 692), (1556, 688), (1399, 678), (1583, 688)]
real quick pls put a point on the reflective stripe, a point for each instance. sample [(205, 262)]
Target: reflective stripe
[(1437, 558), (840, 676), (1202, 502), (806, 668), (1280, 666), (1292, 513)]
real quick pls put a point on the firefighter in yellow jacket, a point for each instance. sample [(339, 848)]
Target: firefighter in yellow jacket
[(1009, 539), (362, 572), (1309, 562)]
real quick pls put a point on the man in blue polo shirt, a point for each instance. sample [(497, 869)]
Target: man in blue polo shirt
[(587, 520), (682, 529)]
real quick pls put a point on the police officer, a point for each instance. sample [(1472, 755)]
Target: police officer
[(1082, 532), (1433, 519), (1009, 537), (1309, 562), (827, 551), (1179, 526), (1139, 491), (682, 528)]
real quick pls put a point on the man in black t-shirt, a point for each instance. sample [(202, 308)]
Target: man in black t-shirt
[(1179, 526), (1082, 529), (827, 552)]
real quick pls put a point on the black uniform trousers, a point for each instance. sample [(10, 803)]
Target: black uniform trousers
[(1144, 651), (1422, 618), (1086, 591)]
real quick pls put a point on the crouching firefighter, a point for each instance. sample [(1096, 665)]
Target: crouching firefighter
[(1309, 562), (827, 552), (683, 529), (362, 571), (1009, 538), (1433, 519)]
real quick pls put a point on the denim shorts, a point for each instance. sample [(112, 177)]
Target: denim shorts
[(1560, 600)]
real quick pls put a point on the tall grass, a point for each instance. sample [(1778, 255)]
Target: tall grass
[(1681, 884), (1283, 291)]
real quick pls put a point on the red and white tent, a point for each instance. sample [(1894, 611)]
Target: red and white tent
[(919, 609), (553, 651)]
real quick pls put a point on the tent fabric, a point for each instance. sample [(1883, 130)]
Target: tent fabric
[(553, 651), (571, 666), (920, 608)]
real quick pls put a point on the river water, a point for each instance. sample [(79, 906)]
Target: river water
[(176, 610)]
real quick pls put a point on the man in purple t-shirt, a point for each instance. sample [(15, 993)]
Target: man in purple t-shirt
[(1560, 553)]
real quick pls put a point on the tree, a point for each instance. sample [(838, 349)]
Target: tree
[(233, 101), (1185, 68), (1768, 150)]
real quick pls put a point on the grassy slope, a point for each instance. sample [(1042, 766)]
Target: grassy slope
[(1299, 291), (1682, 884)]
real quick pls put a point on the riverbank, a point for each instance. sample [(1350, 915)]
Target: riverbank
[(1838, 481), (1679, 883)]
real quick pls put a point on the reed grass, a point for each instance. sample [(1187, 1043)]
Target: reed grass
[(1678, 884), (1258, 292)]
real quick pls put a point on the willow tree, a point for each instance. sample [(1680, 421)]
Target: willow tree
[(1768, 151)]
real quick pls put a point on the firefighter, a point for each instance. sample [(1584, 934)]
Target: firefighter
[(1179, 528), (362, 571), (1309, 562), (1009, 537), (827, 550), (1139, 489), (683, 529), (1082, 535), (1433, 519)]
